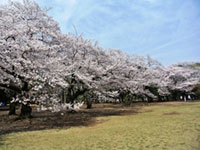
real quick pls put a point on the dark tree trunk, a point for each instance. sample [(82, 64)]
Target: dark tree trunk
[(160, 99), (89, 104), (150, 100), (12, 109), (26, 111)]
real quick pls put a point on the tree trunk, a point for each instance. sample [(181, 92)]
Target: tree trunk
[(12, 109), (89, 104), (26, 111), (150, 100)]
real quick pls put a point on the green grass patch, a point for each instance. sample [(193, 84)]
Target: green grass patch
[(174, 125)]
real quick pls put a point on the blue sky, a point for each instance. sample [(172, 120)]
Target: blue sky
[(167, 30)]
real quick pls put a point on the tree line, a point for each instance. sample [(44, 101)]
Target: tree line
[(39, 64)]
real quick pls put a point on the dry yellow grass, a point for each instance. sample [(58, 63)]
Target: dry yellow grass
[(170, 126)]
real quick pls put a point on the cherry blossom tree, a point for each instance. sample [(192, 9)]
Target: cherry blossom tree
[(44, 66), (182, 77), (28, 43)]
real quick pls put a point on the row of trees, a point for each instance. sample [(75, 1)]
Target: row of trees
[(40, 64)]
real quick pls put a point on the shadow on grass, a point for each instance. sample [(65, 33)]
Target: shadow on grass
[(48, 120), (1, 141)]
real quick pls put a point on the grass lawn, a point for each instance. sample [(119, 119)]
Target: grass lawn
[(171, 126)]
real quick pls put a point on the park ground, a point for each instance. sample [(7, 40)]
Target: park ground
[(156, 126)]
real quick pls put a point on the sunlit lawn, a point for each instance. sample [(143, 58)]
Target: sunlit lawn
[(172, 126)]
